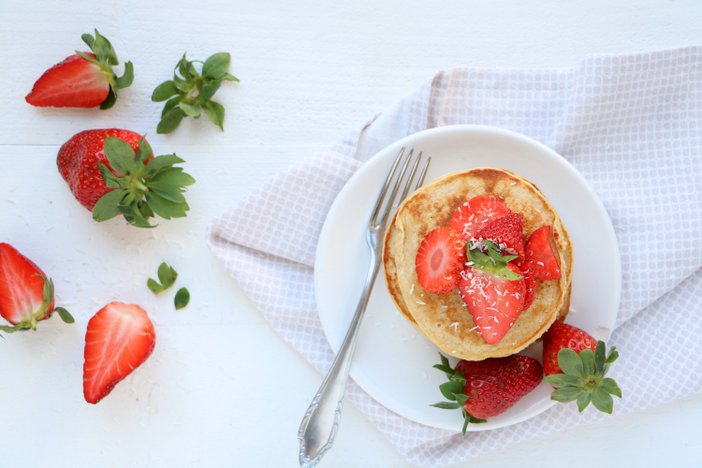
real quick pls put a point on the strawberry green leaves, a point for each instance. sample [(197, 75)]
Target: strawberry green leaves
[(453, 391), (166, 275), (189, 93), (487, 256), (583, 379), (143, 186), (105, 58), (182, 298)]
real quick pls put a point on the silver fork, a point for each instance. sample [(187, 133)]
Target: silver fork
[(321, 421)]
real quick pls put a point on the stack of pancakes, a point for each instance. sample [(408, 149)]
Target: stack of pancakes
[(444, 319)]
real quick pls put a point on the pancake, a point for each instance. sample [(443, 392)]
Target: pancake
[(444, 319)]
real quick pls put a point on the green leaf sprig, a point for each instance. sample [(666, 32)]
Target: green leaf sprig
[(182, 298), (105, 58), (190, 92), (166, 275), (584, 378), (142, 186), (453, 391), (487, 256)]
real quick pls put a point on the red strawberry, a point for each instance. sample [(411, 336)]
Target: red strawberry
[(494, 302), (119, 338), (539, 256), (439, 261), (485, 389), (506, 231), (26, 294), (78, 161), (112, 171), (85, 79), (559, 336), (475, 214), (576, 365)]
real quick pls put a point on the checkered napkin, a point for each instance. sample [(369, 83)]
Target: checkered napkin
[(630, 124)]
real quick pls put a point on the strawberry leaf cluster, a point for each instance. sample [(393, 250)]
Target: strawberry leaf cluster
[(583, 378), (190, 92), (487, 256), (142, 186), (166, 275), (453, 390), (105, 58)]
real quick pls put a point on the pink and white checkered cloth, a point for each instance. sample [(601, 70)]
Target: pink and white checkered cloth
[(631, 124)]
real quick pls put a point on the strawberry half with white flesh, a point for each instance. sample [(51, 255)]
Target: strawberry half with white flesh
[(119, 338), (493, 290), (439, 261), (26, 294), (85, 79), (475, 214), (539, 256)]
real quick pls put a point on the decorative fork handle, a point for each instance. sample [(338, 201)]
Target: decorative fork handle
[(321, 421)]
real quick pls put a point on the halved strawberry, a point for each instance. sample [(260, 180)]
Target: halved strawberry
[(439, 261), (26, 294), (119, 338), (475, 214), (506, 232), (84, 79), (493, 301), (539, 256)]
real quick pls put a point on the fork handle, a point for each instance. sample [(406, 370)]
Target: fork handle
[(321, 421)]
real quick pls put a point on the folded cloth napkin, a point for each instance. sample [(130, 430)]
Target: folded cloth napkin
[(632, 126)]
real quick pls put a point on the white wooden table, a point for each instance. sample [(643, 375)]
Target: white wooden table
[(221, 389)]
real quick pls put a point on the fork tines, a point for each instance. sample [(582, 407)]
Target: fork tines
[(404, 181)]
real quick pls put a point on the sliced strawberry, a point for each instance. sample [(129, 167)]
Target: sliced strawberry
[(540, 259), (119, 338), (85, 79), (506, 232), (439, 261), (475, 214), (75, 82), (22, 288), (494, 302)]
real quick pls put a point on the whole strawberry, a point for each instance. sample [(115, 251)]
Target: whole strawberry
[(485, 389), (112, 171), (26, 294), (85, 79), (576, 365)]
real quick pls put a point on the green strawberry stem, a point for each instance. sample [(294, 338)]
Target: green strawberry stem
[(584, 378), (31, 322), (142, 187), (487, 256), (190, 92), (453, 391), (105, 58)]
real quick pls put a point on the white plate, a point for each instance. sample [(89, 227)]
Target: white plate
[(393, 362)]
